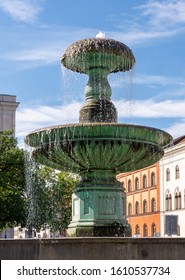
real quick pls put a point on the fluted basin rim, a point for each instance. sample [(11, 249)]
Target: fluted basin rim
[(84, 147), (118, 131)]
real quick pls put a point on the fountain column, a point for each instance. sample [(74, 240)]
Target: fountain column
[(98, 106)]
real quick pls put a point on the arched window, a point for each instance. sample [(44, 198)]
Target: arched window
[(153, 183), (145, 210), (137, 207), (129, 209), (168, 201), (137, 229), (167, 175), (177, 172), (144, 182), (167, 208), (136, 184), (129, 185), (177, 199), (153, 205), (145, 230), (153, 229)]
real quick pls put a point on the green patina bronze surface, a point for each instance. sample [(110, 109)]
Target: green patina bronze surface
[(101, 53), (105, 146), (98, 148)]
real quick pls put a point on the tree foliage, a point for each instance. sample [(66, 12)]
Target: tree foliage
[(48, 198), (31, 194), (60, 195), (12, 181)]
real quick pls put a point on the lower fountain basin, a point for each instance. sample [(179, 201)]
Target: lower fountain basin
[(98, 146)]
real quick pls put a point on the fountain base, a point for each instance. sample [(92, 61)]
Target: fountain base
[(98, 207), (114, 230)]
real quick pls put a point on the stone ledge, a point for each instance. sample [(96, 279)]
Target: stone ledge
[(100, 248)]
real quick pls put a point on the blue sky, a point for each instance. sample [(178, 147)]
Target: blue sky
[(35, 33)]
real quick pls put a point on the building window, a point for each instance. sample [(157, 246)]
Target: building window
[(153, 229), (153, 205), (137, 207), (129, 209), (177, 172), (137, 229), (153, 183), (177, 199), (129, 185), (136, 184), (168, 202), (167, 175), (145, 230), (145, 210), (144, 182)]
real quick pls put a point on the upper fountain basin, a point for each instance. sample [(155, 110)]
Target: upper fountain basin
[(98, 146), (87, 54)]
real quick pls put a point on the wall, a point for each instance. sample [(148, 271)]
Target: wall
[(93, 249), (174, 156)]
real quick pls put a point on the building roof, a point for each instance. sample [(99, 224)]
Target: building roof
[(179, 140)]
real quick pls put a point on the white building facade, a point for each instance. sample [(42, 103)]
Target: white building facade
[(172, 190), (8, 106)]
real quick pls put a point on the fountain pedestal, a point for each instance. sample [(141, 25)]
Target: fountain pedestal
[(98, 207)]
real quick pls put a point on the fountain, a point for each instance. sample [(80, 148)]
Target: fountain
[(98, 148)]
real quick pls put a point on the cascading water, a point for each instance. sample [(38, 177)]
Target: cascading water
[(98, 148)]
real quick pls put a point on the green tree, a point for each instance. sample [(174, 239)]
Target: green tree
[(60, 197), (12, 181), (49, 195)]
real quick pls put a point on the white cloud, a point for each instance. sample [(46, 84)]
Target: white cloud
[(158, 80), (22, 10), (140, 35), (29, 119), (177, 129), (39, 56), (153, 20), (164, 13), (150, 109)]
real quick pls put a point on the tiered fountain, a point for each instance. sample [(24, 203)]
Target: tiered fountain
[(98, 148)]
